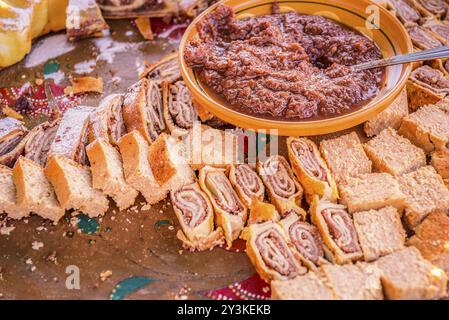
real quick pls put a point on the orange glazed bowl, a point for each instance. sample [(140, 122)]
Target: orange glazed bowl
[(390, 36)]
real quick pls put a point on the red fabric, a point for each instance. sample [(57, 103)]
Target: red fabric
[(253, 288), (37, 96)]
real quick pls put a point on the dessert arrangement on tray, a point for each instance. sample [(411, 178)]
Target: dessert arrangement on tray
[(358, 215)]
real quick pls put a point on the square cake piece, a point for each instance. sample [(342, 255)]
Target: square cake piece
[(394, 154), (406, 275), (432, 239), (307, 287), (371, 191), (440, 161), (425, 192), (391, 117), (428, 128), (380, 232), (359, 281), (345, 156)]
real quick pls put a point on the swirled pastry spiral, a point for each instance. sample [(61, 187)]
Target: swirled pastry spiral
[(306, 240), (310, 169), (337, 229), (231, 213), (196, 217), (269, 251), (179, 112), (247, 183), (284, 190)]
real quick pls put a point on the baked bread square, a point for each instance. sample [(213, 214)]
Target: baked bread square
[(73, 186), (432, 239), (425, 193), (406, 275), (169, 164), (360, 281), (391, 117), (107, 173), (8, 195), (136, 168), (371, 191), (345, 156), (440, 161), (307, 287), (427, 128), (394, 154), (380, 232), (34, 191)]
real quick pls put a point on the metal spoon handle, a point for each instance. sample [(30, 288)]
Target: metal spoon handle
[(436, 53)]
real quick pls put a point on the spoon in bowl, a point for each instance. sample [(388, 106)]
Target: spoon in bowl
[(436, 53)]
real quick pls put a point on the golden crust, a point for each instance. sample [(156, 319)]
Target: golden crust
[(134, 113), (261, 212), (8, 195)]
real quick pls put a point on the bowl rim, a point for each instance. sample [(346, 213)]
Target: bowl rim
[(365, 111)]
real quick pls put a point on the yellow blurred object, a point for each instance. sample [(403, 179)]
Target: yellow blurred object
[(23, 20)]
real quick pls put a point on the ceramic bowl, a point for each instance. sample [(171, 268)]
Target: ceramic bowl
[(389, 34)]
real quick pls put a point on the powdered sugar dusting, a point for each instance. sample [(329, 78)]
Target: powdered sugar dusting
[(48, 48)]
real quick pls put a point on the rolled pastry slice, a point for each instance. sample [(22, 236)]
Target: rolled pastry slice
[(247, 183), (422, 38), (404, 11), (231, 213), (107, 173), (137, 170), (72, 135), (438, 29), (106, 121), (306, 240), (142, 109), (179, 112), (41, 138), (337, 229), (311, 170), (8, 195), (436, 8), (268, 249), (121, 9), (284, 190), (12, 140), (196, 217), (426, 86), (167, 69), (84, 19)]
